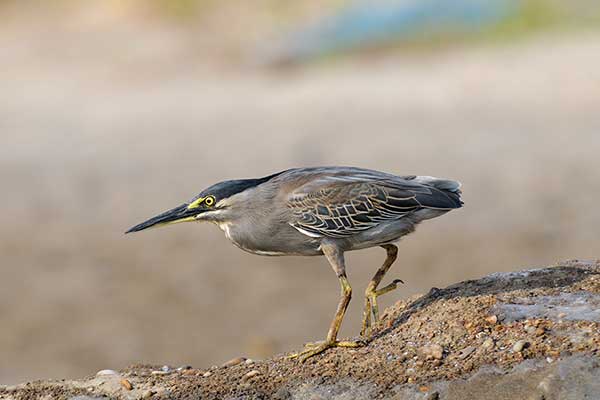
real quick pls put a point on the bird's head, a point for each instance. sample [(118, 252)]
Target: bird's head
[(211, 204)]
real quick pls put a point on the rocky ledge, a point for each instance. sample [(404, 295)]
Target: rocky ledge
[(533, 334)]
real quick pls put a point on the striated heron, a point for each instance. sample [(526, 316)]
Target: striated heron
[(321, 211)]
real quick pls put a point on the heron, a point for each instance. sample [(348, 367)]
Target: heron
[(321, 211)]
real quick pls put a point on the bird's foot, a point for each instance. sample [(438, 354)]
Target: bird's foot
[(371, 307), (312, 349)]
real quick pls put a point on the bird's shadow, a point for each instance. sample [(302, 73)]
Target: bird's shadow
[(558, 276)]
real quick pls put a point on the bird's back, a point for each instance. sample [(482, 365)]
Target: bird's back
[(353, 203)]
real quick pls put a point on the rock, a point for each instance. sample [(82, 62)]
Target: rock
[(425, 354), (160, 372), (519, 346), (252, 374), (126, 384), (466, 352), (105, 372), (432, 351), (488, 344), (234, 361), (492, 319)]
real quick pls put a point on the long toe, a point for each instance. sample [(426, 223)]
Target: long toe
[(313, 349)]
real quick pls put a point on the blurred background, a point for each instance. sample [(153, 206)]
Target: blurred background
[(113, 111)]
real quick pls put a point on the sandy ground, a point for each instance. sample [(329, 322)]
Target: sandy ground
[(103, 126), (540, 328)]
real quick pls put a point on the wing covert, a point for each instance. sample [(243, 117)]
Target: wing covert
[(342, 210)]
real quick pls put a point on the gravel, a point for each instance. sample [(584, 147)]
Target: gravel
[(442, 344)]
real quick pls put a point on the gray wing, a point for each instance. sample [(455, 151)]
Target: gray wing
[(337, 207)]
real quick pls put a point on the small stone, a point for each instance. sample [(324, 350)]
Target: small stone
[(165, 368), (519, 346), (106, 372), (234, 361), (11, 388), (488, 344), (184, 368), (190, 372), (249, 361), (540, 331), (436, 363), (549, 360), (423, 389), (434, 351), (466, 352), (160, 372), (147, 394), (126, 384), (492, 319), (207, 374), (561, 315), (250, 375)]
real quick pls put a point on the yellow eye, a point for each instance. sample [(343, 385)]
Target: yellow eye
[(209, 201)]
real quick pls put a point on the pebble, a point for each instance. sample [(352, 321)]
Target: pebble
[(540, 331), (165, 368), (184, 368), (492, 319), (10, 388), (106, 372), (234, 361), (190, 372), (159, 372), (250, 375), (249, 361), (488, 344), (432, 351), (519, 346), (466, 352), (207, 374), (147, 394), (126, 384)]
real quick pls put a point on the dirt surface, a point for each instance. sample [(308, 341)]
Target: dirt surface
[(520, 334)]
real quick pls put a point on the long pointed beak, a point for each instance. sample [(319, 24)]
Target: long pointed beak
[(173, 216)]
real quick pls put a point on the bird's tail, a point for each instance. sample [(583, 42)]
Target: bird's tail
[(452, 188)]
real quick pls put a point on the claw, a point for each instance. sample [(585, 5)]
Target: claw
[(371, 306), (312, 349)]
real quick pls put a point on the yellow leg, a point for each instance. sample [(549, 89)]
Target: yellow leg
[(312, 349), (336, 259), (372, 293)]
